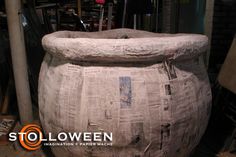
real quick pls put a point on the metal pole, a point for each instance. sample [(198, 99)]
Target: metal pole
[(109, 23), (124, 14), (18, 53), (157, 15)]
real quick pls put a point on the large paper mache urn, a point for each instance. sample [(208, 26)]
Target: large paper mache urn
[(150, 90)]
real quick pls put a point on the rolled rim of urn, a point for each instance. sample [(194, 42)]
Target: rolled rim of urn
[(123, 45)]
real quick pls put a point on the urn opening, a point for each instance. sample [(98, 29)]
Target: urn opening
[(123, 45)]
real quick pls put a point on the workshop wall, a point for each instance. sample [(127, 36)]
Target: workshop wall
[(224, 28)]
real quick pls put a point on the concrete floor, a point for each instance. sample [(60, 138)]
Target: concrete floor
[(209, 146), (14, 151), (226, 154), (11, 151)]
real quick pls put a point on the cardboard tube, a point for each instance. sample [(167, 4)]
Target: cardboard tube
[(18, 53)]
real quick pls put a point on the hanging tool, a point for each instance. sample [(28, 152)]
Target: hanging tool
[(101, 3)]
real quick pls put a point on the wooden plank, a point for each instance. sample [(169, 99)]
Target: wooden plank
[(208, 23), (227, 76), (79, 8)]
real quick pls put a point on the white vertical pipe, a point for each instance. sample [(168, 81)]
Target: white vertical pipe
[(101, 17), (135, 21), (18, 53)]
